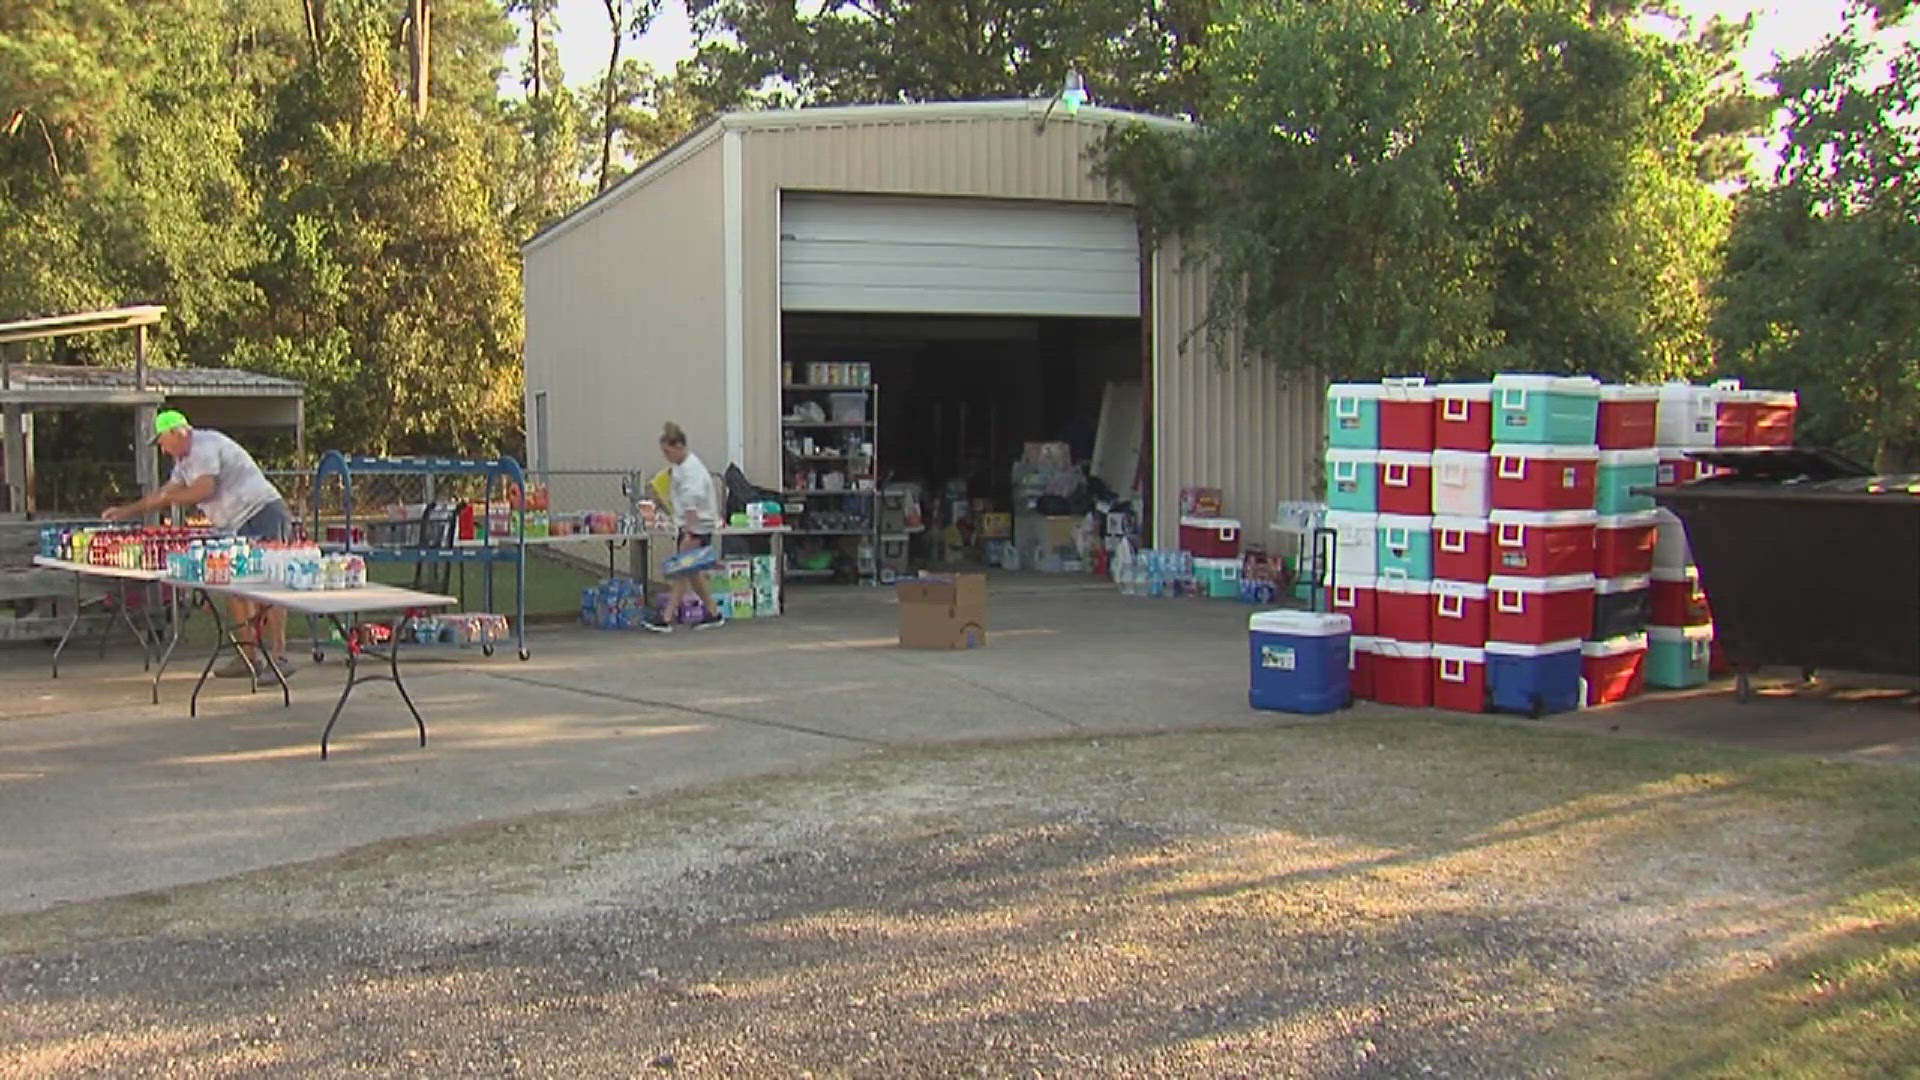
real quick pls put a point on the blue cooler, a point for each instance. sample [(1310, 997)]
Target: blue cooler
[(1619, 473), (1406, 546), (1353, 480), (1534, 680), (1300, 661), (1550, 409), (1353, 415)]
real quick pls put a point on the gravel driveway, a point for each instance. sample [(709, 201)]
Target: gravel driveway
[(1371, 898)]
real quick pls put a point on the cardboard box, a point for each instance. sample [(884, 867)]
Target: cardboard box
[(996, 526), (1034, 532), (944, 611)]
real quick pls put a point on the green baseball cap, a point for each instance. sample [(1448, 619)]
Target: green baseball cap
[(167, 421)]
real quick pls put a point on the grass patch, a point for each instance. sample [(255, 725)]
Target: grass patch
[(553, 587)]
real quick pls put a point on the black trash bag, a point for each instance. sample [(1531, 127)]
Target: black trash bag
[(1053, 505), (741, 491)]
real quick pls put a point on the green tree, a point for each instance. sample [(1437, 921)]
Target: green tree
[(1821, 289)]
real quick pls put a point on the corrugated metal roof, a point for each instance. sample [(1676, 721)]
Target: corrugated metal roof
[(190, 381), (89, 322)]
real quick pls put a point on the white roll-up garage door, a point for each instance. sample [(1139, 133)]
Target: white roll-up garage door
[(897, 255)]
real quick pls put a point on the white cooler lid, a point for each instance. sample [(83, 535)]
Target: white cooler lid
[(1464, 391), (1460, 524), (1777, 397), (1394, 583), (1364, 520), (1300, 623), (1680, 633), (1472, 590), (1415, 458), (1410, 522), (1342, 579), (1343, 454), (1625, 643), (1639, 519), (1514, 648), (1559, 384), (1630, 392), (1460, 652), (1629, 583), (1354, 390), (1544, 519), (1401, 650), (1214, 564), (1563, 583), (1618, 458), (1210, 523), (1547, 451), (1410, 388), (1680, 573)]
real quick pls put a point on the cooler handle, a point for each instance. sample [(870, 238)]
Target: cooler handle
[(1453, 541), (1455, 408), (1346, 408), (1700, 649), (1394, 573), (1452, 606), (1512, 467), (1345, 596), (1228, 533), (1346, 471), (1453, 669), (1397, 537), (1513, 398), (1399, 474), (1511, 601), (1513, 534)]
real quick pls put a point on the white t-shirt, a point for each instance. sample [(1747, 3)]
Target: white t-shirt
[(240, 489), (693, 493)]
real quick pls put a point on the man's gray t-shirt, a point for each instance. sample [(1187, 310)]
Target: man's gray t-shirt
[(240, 489)]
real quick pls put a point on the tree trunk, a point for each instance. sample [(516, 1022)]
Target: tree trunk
[(421, 15), (539, 50), (316, 13), (606, 92)]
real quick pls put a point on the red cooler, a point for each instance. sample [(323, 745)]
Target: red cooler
[(1404, 609), (1771, 417), (1460, 614), (1462, 549), (1678, 599), (1403, 673), (1733, 416), (1406, 415), (1459, 679), (1463, 417), (1676, 468), (1210, 538), (1406, 483), (1544, 477), (1360, 665), (1353, 596), (1623, 543), (1629, 417), (1539, 611), (1528, 543), (1615, 669)]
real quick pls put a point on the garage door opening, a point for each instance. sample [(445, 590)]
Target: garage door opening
[(955, 402)]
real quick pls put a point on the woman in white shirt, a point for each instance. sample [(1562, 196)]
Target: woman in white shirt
[(696, 510)]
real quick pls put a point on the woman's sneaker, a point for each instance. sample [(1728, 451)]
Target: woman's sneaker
[(656, 624), (713, 621)]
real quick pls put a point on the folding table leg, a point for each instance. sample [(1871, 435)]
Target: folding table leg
[(220, 642), (72, 622)]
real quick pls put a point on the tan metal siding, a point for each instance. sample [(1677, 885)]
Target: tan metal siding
[(1239, 425), (997, 158), (625, 324)]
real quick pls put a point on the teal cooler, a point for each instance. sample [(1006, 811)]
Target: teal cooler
[(1677, 657), (1406, 547), (1619, 473), (1353, 415), (1299, 662), (1546, 409), (1534, 680), (1217, 578), (1353, 480)]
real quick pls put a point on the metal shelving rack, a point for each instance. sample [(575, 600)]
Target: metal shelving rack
[(512, 548), (868, 430)]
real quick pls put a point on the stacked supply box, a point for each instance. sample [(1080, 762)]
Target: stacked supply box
[(1614, 650)]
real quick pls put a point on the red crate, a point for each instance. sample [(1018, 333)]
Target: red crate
[(1771, 417), (1528, 477), (1210, 538), (1539, 611), (1678, 599), (1462, 549), (1615, 669), (1623, 543), (1404, 608), (1403, 673), (1360, 666), (1353, 596), (1406, 483), (1629, 417), (1460, 614), (1463, 417), (1406, 415), (1459, 679), (1532, 543)]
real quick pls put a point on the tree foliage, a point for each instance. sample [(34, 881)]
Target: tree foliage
[(1821, 287)]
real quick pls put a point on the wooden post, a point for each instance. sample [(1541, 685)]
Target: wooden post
[(146, 458), (16, 459), (140, 357), (1148, 349), (300, 430)]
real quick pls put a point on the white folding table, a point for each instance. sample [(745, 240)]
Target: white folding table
[(122, 581), (338, 607)]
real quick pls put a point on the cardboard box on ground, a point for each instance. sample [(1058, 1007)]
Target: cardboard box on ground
[(943, 611)]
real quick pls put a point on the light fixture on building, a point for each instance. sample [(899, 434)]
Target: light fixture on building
[(1073, 94)]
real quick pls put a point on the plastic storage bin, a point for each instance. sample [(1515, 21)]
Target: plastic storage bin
[(1403, 609), (1403, 673), (1535, 611), (1688, 415), (1678, 658), (1210, 538), (1623, 544), (1462, 549), (1406, 483), (1406, 415), (1544, 477), (1353, 596), (1676, 468), (1622, 605), (1615, 669), (1406, 547), (1462, 483), (1356, 542), (1353, 480), (1618, 473), (1300, 661), (1677, 599), (1530, 543), (1546, 409), (847, 408), (1360, 666), (1353, 416), (1629, 417), (1463, 417), (1217, 578), (1459, 679), (1459, 614), (1772, 417), (1534, 680)]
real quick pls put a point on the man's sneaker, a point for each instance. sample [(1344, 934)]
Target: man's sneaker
[(711, 622), (656, 625), (284, 665), (238, 668)]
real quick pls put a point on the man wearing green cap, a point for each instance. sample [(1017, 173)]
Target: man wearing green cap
[(217, 474)]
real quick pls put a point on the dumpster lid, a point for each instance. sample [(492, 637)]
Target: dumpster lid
[(1778, 464)]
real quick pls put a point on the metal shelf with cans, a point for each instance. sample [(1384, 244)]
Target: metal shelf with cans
[(830, 478)]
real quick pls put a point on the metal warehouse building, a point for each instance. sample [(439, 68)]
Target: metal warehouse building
[(967, 249)]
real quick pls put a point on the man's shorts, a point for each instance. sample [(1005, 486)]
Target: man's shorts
[(270, 522)]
